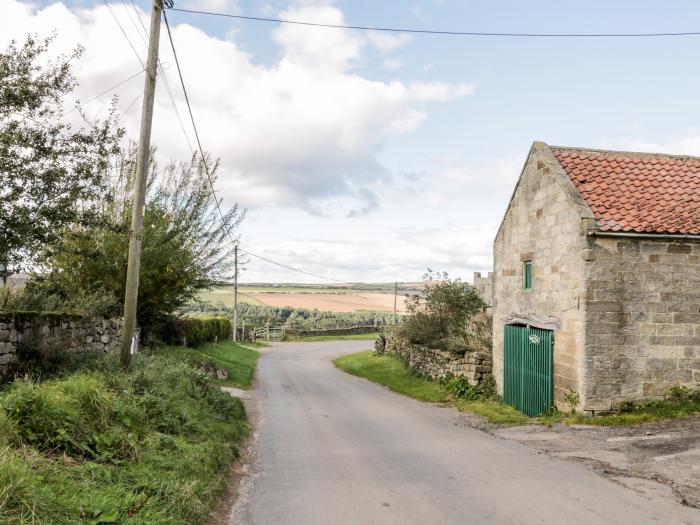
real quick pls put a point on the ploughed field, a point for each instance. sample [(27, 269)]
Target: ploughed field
[(332, 299)]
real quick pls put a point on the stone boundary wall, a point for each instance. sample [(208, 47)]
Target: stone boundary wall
[(22, 331), (437, 364), (336, 331)]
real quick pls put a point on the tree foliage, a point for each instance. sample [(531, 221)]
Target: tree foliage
[(442, 315), (186, 246), (51, 173)]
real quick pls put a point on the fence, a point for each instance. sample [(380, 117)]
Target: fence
[(280, 332), (270, 333)]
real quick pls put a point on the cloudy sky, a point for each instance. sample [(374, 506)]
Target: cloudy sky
[(373, 156)]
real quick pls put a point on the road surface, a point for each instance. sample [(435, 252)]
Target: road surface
[(334, 449)]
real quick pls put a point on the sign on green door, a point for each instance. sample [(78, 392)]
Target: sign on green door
[(527, 369)]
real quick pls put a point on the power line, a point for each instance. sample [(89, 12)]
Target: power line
[(128, 13), (114, 16), (128, 108), (160, 68), (294, 269), (194, 126), (211, 182), (438, 32), (105, 91)]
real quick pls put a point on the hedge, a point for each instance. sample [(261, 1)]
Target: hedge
[(195, 331)]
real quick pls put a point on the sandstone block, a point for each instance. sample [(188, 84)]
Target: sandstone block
[(7, 358), (679, 248)]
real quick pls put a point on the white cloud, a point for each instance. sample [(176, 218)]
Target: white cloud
[(221, 6), (428, 91), (305, 129), (403, 255), (388, 42), (393, 64), (318, 48)]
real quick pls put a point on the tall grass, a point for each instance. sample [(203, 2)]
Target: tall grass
[(148, 446), (237, 360)]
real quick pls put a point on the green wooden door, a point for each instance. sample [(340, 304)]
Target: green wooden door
[(527, 369)]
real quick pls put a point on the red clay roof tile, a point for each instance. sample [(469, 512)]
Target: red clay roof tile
[(636, 192)]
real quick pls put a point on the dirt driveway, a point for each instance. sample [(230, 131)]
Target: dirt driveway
[(649, 459)]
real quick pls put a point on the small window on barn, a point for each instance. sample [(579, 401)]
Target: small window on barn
[(527, 275)]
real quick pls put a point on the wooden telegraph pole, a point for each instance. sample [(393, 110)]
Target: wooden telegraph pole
[(396, 293), (235, 293), (132, 272)]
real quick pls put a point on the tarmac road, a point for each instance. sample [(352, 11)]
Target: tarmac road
[(334, 449)]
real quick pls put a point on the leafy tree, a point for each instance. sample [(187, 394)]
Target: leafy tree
[(441, 315), (186, 247), (50, 173)]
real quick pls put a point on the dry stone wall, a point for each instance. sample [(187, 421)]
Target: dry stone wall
[(352, 330), (44, 333), (437, 364)]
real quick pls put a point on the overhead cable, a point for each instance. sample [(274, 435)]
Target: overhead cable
[(440, 32), (115, 86), (209, 178), (143, 33), (293, 268), (114, 16)]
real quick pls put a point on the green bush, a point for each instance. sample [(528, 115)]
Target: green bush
[(197, 330), (150, 445), (380, 345), (444, 316)]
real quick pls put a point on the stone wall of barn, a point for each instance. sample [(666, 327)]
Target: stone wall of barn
[(642, 320), (546, 223)]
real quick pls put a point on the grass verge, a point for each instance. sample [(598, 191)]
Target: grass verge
[(392, 372), (152, 445), (351, 337), (236, 359)]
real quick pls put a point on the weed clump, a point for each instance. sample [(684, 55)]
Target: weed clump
[(460, 388), (150, 445)]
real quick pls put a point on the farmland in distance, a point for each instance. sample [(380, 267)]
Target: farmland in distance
[(341, 298)]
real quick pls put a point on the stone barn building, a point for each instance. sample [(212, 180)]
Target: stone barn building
[(596, 295)]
